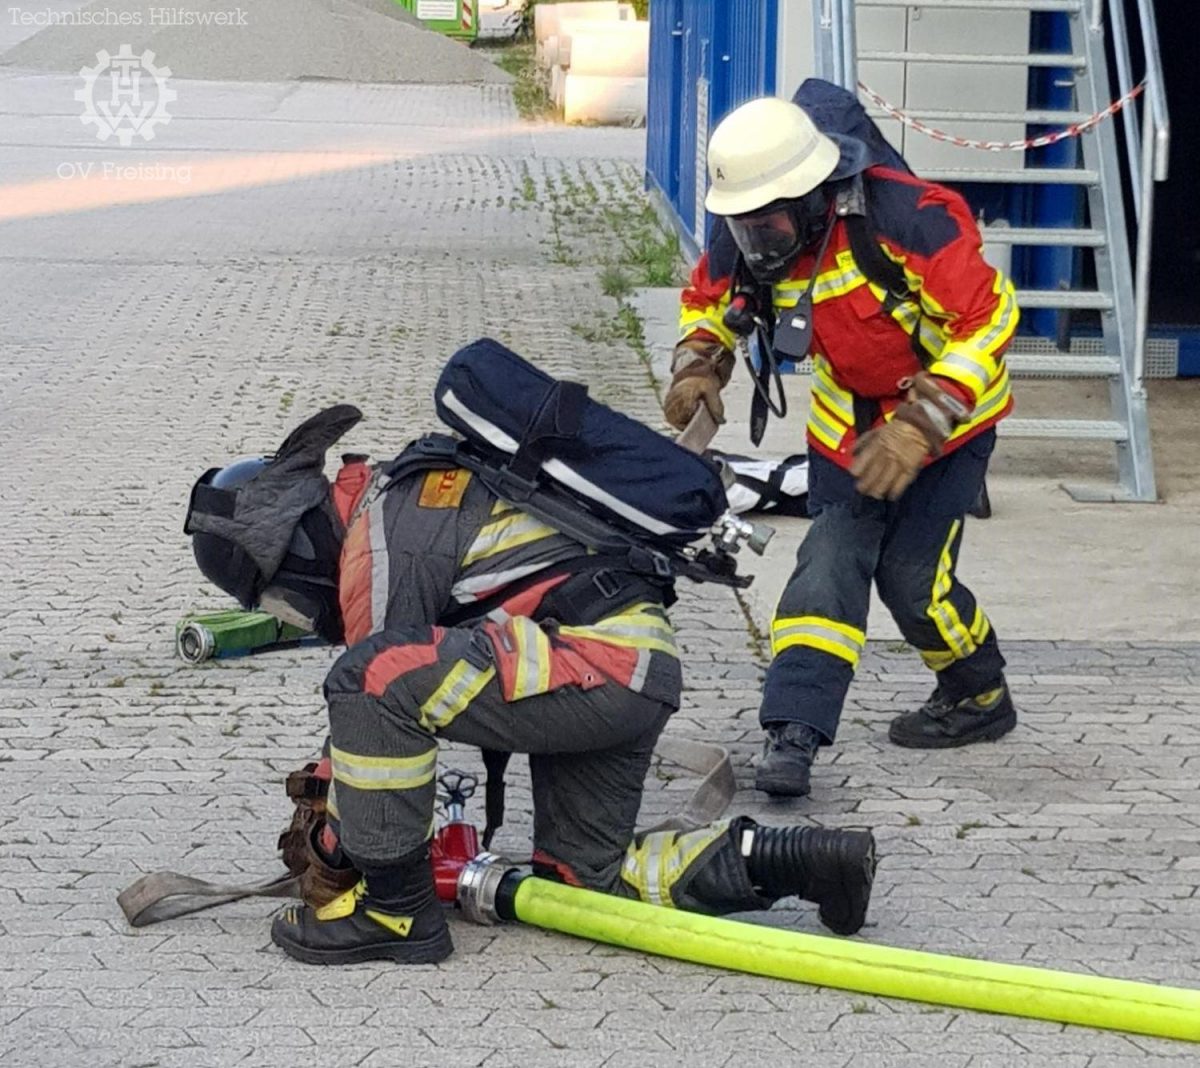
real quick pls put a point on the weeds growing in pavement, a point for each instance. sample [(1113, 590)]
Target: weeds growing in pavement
[(530, 92)]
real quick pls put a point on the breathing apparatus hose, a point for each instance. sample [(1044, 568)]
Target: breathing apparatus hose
[(1016, 990)]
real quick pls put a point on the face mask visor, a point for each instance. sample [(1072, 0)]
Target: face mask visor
[(773, 238), (770, 242)]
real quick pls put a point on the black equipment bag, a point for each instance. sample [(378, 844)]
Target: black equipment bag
[(542, 431)]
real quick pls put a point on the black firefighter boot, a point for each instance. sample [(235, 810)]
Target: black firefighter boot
[(788, 755), (832, 868), (942, 723), (392, 914)]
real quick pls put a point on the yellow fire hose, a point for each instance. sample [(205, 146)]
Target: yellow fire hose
[(1016, 990)]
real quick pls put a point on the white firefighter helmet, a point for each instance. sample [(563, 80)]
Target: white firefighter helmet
[(767, 149)]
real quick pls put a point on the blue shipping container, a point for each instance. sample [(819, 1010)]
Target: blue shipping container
[(706, 57)]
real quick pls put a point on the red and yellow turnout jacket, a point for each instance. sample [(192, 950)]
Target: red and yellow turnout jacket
[(963, 310)]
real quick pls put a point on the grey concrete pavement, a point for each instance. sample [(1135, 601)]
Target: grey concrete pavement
[(146, 339)]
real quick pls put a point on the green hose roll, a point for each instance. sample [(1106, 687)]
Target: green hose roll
[(231, 633)]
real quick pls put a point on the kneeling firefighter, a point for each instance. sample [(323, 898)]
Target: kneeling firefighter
[(879, 276), (468, 619)]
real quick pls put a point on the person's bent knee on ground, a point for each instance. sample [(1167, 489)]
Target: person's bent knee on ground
[(383, 749)]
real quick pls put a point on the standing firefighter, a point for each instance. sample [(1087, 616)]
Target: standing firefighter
[(908, 326), (469, 619)]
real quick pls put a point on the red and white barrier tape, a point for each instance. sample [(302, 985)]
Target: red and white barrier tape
[(1074, 130)]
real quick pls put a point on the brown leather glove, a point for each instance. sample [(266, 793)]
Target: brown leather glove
[(700, 370), (320, 880), (889, 458)]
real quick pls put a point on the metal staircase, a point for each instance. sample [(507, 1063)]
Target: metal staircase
[(1107, 173)]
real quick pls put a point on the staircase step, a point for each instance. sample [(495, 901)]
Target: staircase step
[(1069, 429), (1081, 430), (1070, 6), (1029, 176), (1032, 59), (1061, 365), (1017, 235), (1032, 117), (1064, 298)]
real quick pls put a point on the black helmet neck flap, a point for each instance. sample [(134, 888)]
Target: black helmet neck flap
[(272, 522)]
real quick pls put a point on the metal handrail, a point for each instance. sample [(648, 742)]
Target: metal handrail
[(1156, 92), (1125, 82), (1155, 164), (1148, 147), (836, 42)]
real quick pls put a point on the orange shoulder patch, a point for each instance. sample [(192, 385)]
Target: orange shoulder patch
[(444, 489)]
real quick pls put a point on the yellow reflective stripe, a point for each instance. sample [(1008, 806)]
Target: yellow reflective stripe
[(910, 316), (502, 508), (470, 589), (823, 429), (915, 281), (710, 319), (843, 279), (1004, 319), (331, 801), (937, 659), (933, 338), (906, 313), (990, 404), (382, 773), (963, 367), (344, 904), (928, 301), (817, 632), (790, 290), (847, 630), (976, 635), (533, 659), (974, 361), (980, 626), (633, 871), (835, 397), (459, 688), (663, 857), (636, 628), (398, 925), (837, 284), (506, 533), (941, 610), (834, 647)]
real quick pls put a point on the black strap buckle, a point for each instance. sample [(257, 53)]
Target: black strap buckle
[(480, 653), (608, 583)]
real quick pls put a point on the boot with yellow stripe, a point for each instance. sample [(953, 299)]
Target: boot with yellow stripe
[(943, 723), (392, 914)]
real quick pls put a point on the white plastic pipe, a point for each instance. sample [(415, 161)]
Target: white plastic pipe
[(620, 50), (608, 101), (547, 18)]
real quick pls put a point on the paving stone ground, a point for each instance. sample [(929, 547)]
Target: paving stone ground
[(145, 341)]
